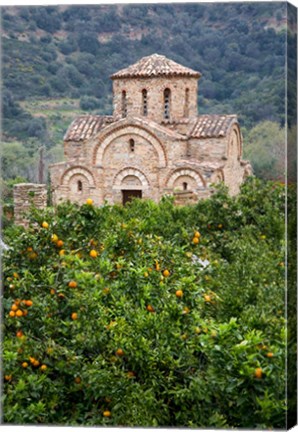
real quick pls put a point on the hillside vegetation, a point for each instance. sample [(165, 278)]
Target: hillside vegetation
[(150, 314), (67, 53)]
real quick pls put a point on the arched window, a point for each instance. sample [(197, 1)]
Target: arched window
[(80, 186), (124, 104), (131, 145), (144, 102), (167, 103), (186, 103), (185, 186)]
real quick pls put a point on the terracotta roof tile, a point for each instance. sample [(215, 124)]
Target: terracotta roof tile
[(212, 126), (155, 65), (84, 127)]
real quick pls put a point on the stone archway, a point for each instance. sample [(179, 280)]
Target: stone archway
[(77, 170), (79, 184), (182, 174), (129, 183)]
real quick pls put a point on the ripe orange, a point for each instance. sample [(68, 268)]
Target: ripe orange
[(36, 363), (157, 266), (15, 275), (72, 284), (207, 298), (150, 308), (45, 225), (14, 307), (195, 240), (43, 367), (29, 303), (107, 413), (29, 249), (89, 201), (25, 365), (93, 253), (19, 313), (52, 291), (59, 243), (270, 354), (120, 352), (62, 252), (166, 273), (54, 238), (179, 293), (258, 373), (32, 360), (7, 377), (74, 316), (19, 334), (77, 380), (197, 234), (12, 314)]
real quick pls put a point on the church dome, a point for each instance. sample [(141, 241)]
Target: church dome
[(155, 65)]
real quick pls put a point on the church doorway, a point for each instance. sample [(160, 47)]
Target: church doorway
[(128, 195)]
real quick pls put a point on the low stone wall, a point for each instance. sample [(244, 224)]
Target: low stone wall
[(25, 195)]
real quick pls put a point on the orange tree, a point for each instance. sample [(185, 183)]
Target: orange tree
[(117, 316)]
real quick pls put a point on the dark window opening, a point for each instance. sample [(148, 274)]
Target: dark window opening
[(131, 145), (167, 101), (129, 195), (186, 103), (124, 104), (145, 102), (185, 186), (80, 186)]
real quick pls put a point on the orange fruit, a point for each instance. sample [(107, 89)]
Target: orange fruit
[(89, 201), (72, 284), (25, 312), (20, 333), (179, 293), (7, 377), (146, 274), (45, 225), (43, 367), (77, 380), (52, 291), (74, 316), (166, 273), (60, 295), (270, 354), (12, 314), (62, 252), (197, 234), (195, 240), (258, 373), (150, 308), (19, 313), (59, 243), (14, 307), (120, 352), (107, 413), (207, 298), (29, 249), (54, 238), (25, 365), (29, 303), (15, 275), (93, 253), (32, 359), (157, 266), (36, 363)]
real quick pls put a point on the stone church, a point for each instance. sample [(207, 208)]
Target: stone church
[(155, 143)]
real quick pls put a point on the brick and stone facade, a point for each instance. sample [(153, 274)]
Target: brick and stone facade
[(155, 143)]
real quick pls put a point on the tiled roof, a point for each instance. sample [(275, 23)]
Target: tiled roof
[(212, 125), (83, 127), (155, 65)]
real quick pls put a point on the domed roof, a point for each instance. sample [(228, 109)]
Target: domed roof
[(155, 65)]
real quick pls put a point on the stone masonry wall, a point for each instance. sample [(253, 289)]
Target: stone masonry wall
[(181, 104), (25, 195)]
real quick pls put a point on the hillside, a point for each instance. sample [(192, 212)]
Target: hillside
[(69, 52)]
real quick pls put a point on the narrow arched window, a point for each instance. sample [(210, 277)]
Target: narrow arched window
[(80, 186), (167, 103), (144, 102), (186, 103), (185, 186), (124, 104), (131, 145)]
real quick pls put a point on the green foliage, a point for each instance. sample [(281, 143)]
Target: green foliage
[(212, 357)]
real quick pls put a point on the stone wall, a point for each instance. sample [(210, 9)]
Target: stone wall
[(25, 195), (183, 98)]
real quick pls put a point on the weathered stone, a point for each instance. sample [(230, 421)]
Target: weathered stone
[(26, 195)]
